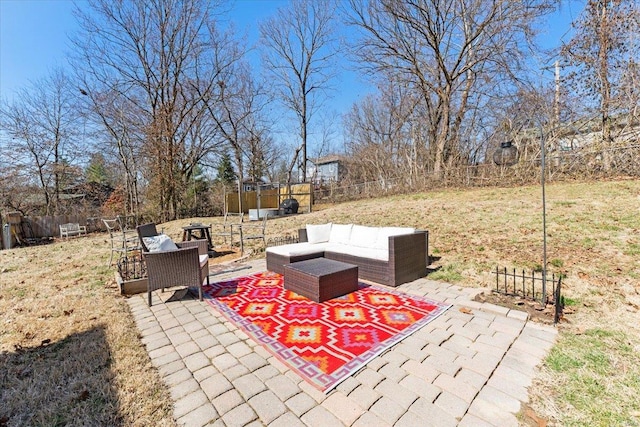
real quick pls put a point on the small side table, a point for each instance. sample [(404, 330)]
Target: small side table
[(198, 231)]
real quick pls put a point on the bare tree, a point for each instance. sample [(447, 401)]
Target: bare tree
[(262, 153), (300, 55), (630, 82), (116, 121), (274, 159), (456, 54), (149, 56), (380, 135), (235, 109), (604, 51), (42, 123)]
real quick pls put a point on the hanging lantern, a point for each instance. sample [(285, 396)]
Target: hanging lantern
[(506, 154)]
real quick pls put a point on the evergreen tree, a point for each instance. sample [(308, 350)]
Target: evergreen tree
[(97, 170), (226, 174)]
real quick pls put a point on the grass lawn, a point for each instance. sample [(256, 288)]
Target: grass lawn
[(70, 353)]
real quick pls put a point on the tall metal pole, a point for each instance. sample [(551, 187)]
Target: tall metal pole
[(507, 155), (544, 218), (556, 106), (239, 196), (543, 149)]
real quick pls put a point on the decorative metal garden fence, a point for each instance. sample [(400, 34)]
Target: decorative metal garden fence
[(283, 240), (132, 267), (523, 285)]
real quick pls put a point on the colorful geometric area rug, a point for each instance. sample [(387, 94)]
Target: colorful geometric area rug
[(323, 342)]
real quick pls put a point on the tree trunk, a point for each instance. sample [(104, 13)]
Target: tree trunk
[(605, 104), (441, 137)]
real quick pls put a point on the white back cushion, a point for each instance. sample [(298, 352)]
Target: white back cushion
[(159, 243), (318, 233), (340, 233), (363, 236)]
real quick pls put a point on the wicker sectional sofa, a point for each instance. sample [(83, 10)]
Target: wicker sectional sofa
[(386, 255)]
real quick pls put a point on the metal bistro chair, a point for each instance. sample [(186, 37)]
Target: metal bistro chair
[(250, 231), (230, 227), (121, 242), (128, 223)]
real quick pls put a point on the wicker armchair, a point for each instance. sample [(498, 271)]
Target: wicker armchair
[(186, 266)]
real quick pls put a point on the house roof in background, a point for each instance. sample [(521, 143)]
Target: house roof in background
[(332, 158)]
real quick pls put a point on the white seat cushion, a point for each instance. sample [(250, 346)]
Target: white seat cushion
[(204, 259), (297, 249), (363, 236)]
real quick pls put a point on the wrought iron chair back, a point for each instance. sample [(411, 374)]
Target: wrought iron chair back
[(249, 231), (230, 226), (121, 242)]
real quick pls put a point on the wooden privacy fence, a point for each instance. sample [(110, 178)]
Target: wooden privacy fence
[(271, 198), (49, 226)]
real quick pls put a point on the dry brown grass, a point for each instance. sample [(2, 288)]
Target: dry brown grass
[(70, 352)]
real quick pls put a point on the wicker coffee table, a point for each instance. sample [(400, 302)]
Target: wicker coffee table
[(321, 279)]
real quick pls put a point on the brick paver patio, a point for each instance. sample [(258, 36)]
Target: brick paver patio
[(469, 367)]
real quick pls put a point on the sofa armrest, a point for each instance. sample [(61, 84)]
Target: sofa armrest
[(408, 256), (302, 235), (426, 245)]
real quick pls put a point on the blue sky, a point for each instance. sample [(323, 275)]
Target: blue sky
[(34, 38), (34, 35)]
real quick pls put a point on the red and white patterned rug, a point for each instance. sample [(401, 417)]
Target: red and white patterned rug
[(323, 342)]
